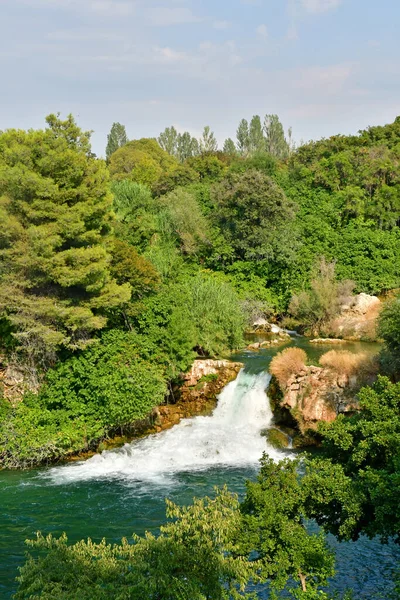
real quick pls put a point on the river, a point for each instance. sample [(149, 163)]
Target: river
[(123, 491)]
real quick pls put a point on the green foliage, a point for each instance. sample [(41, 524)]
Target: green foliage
[(274, 525), (275, 141), (315, 308), (108, 386), (208, 167), (135, 211), (229, 147), (115, 139), (208, 143), (180, 177), (253, 214), (389, 330), (193, 558), (55, 284), (242, 136), (181, 220), (142, 161), (354, 488)]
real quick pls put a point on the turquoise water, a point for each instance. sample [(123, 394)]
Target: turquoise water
[(116, 504)]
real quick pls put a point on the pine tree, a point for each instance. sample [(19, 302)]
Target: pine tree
[(55, 283)]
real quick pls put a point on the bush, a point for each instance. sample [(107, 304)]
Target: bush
[(324, 300), (287, 363), (108, 387), (347, 363)]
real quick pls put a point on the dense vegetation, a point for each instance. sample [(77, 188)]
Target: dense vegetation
[(115, 275), (167, 251)]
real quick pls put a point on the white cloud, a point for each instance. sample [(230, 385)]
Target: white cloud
[(324, 80), (169, 55), (164, 17), (262, 31), (319, 6)]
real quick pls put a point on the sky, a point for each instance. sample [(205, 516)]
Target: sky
[(324, 66)]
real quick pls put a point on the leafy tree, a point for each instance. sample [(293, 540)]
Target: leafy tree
[(187, 146), (229, 147), (242, 136), (276, 143), (274, 526), (183, 176), (180, 218), (168, 140), (133, 164), (208, 143), (115, 139), (193, 558), (209, 167), (389, 330), (55, 282), (353, 487), (253, 213), (256, 136), (135, 211), (143, 161)]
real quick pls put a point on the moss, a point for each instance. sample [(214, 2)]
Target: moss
[(277, 438)]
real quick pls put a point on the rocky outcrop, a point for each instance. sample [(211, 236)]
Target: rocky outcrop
[(315, 394), (358, 319), (274, 338), (15, 382)]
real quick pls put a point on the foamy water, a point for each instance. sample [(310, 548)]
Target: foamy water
[(230, 437)]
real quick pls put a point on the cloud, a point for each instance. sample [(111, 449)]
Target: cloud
[(324, 80), (168, 55), (292, 33), (262, 31), (319, 6), (166, 16)]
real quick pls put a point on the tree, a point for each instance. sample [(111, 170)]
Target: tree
[(168, 140), (187, 146), (256, 136), (193, 558), (276, 143), (115, 139), (242, 136), (229, 147), (135, 211), (323, 302), (181, 219), (353, 487), (254, 215), (208, 143), (389, 330), (274, 526), (55, 209)]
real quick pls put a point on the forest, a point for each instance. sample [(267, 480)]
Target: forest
[(116, 274)]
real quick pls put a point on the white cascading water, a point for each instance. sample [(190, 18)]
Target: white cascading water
[(230, 437)]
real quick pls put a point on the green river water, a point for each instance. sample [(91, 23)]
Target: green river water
[(124, 491)]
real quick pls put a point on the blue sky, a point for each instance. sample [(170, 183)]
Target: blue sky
[(324, 66)]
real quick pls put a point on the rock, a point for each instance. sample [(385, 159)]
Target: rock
[(277, 438), (261, 325), (363, 303), (13, 376), (202, 368), (255, 346)]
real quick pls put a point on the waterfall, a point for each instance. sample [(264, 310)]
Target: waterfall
[(230, 437)]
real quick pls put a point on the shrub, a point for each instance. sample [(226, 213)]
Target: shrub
[(324, 300), (349, 364), (287, 363)]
